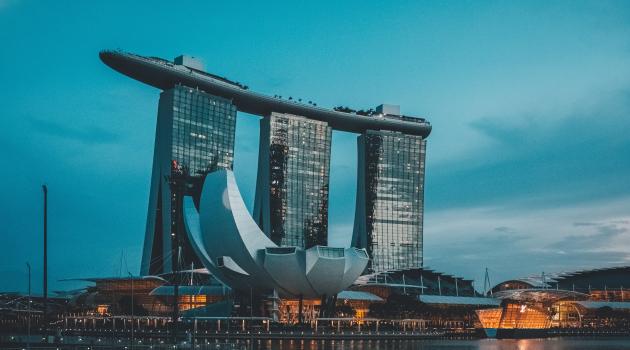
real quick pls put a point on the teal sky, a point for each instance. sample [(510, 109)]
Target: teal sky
[(528, 165)]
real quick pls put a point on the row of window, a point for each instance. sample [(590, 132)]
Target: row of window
[(394, 199), (301, 158), (202, 131)]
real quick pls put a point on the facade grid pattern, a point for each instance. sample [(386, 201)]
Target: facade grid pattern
[(203, 131), (299, 173), (394, 173), (194, 136)]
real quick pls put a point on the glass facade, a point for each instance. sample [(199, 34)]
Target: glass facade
[(512, 316), (292, 191), (390, 199), (203, 131), (194, 136)]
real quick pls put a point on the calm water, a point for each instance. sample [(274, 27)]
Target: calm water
[(484, 344)]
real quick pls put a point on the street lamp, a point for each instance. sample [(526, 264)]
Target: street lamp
[(28, 339), (132, 315), (45, 190)]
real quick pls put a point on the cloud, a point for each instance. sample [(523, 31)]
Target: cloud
[(515, 241), (578, 156), (543, 186), (88, 135), (584, 224), (604, 233)]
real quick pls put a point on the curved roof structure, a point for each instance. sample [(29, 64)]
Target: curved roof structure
[(190, 290), (358, 296), (116, 279), (539, 295), (419, 279), (165, 74), (583, 281), (236, 251), (595, 279), (461, 301), (615, 305)]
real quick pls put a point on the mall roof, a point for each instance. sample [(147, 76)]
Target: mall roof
[(201, 271), (165, 74), (115, 279), (615, 305), (358, 295), (190, 290), (591, 271), (612, 277), (393, 278), (539, 295), (455, 300)]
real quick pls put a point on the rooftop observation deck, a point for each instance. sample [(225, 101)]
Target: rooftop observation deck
[(164, 74)]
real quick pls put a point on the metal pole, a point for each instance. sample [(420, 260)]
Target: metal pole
[(45, 190), (132, 314), (193, 340), (251, 317), (487, 287), (28, 339), (300, 309), (177, 281)]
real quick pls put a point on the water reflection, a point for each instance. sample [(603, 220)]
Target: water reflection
[(617, 343)]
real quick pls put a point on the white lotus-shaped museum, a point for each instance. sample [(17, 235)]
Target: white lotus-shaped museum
[(237, 252)]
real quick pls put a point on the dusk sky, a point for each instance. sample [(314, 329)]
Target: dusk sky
[(528, 164)]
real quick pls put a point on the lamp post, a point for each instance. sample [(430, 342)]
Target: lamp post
[(28, 339), (133, 340), (45, 190)]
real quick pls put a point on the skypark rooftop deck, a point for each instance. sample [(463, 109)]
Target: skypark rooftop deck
[(165, 74)]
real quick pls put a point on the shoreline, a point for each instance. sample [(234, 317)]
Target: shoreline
[(108, 338)]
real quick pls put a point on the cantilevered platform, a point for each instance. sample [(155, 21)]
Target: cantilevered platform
[(165, 74)]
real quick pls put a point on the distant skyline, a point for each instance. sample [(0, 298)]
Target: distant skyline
[(527, 165)]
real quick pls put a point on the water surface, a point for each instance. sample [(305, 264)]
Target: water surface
[(600, 343)]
